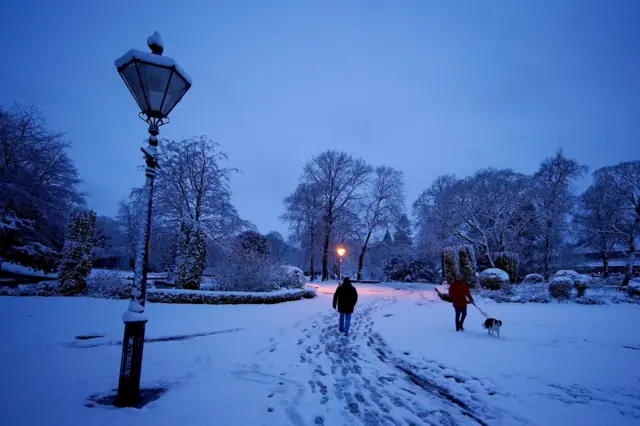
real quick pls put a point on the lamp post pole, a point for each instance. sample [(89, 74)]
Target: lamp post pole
[(157, 83), (134, 318)]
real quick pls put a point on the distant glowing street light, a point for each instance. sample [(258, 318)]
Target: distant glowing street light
[(341, 252), (157, 84)]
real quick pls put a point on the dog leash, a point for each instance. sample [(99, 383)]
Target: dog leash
[(481, 311)]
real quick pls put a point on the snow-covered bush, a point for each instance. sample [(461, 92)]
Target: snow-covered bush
[(567, 273), (450, 261), (108, 285), (207, 283), (508, 262), (75, 265), (589, 300), (409, 269), (560, 287), (533, 279), (494, 279), (229, 298), (246, 272), (633, 288), (578, 281), (581, 283), (468, 265), (288, 277), (192, 251), (45, 288)]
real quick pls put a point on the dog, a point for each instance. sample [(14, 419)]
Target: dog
[(493, 326)]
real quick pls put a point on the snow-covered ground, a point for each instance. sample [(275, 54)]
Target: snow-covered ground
[(286, 364)]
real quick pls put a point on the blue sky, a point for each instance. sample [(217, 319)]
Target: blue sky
[(427, 87)]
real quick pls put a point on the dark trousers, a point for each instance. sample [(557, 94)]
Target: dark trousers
[(461, 314)]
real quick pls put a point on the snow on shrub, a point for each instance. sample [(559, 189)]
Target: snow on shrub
[(289, 277), (508, 262), (75, 265), (108, 285), (207, 283), (468, 265), (450, 261), (533, 279), (589, 300), (494, 279), (192, 251), (246, 272), (46, 288), (566, 273), (560, 287), (633, 288), (228, 297), (581, 283)]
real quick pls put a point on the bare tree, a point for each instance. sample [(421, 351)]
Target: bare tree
[(433, 220), (339, 178), (595, 220), (303, 213), (193, 187), (623, 180), (38, 185), (552, 199), (381, 206)]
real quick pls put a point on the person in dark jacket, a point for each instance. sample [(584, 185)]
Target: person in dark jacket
[(345, 298), (459, 292)]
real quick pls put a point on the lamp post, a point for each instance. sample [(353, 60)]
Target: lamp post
[(157, 84), (341, 251)]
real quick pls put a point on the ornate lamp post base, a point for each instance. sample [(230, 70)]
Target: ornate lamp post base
[(131, 364)]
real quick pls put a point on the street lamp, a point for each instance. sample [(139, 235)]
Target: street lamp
[(341, 251), (157, 83)]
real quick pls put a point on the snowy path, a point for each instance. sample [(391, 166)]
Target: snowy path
[(359, 379), (403, 363)]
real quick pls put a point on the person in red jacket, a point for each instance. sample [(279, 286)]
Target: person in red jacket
[(459, 292)]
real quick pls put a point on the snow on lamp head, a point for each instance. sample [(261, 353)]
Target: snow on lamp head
[(156, 82)]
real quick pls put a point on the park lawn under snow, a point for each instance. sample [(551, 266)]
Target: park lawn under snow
[(286, 363)]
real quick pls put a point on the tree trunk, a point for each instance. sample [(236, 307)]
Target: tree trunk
[(631, 260), (490, 257), (312, 243), (325, 252), (547, 258), (360, 263), (605, 265), (362, 252)]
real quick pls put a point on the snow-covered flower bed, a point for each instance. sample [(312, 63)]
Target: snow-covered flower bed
[(228, 297)]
